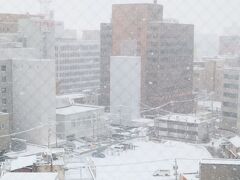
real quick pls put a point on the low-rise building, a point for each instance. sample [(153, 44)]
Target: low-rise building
[(78, 121), (4, 131), (41, 160), (181, 127), (232, 148), (28, 176), (220, 169)]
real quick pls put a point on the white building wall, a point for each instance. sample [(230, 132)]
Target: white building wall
[(90, 123), (33, 95), (125, 84), (78, 66), (39, 34)]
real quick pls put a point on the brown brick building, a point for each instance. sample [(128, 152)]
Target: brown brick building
[(166, 51)]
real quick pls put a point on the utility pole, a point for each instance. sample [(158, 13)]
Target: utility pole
[(49, 135), (175, 167)]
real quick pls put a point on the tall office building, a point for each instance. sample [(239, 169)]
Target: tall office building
[(165, 48), (230, 99), (169, 66), (28, 95), (27, 90), (77, 66), (125, 90)]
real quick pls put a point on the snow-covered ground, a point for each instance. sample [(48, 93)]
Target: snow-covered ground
[(148, 157)]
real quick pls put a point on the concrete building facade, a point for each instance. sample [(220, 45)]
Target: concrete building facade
[(77, 66), (33, 99), (39, 34), (125, 84), (4, 131), (165, 48), (230, 99), (169, 66), (181, 127), (28, 95), (221, 169), (78, 121)]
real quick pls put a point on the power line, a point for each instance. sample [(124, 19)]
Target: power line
[(142, 162)]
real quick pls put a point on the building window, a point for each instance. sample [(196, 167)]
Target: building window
[(2, 126), (4, 110), (4, 79), (230, 95), (231, 86), (73, 123), (3, 90), (230, 114), (230, 104), (3, 68), (233, 77), (4, 101)]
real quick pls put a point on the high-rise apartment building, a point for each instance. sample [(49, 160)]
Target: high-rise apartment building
[(165, 48), (28, 95), (169, 66)]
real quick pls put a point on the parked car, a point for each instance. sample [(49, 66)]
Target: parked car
[(161, 172), (98, 155)]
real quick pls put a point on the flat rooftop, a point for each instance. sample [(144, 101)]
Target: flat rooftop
[(30, 176), (75, 109), (181, 118), (221, 161)]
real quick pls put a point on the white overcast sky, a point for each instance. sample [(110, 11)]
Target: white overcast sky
[(209, 16)]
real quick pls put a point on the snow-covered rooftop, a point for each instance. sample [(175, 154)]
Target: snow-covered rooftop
[(31, 150), (30, 176), (143, 121), (22, 162), (75, 109), (181, 118), (221, 161), (235, 141), (72, 96)]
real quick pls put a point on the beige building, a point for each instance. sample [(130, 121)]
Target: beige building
[(208, 76), (4, 130)]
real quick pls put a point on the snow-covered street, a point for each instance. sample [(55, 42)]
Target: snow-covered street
[(148, 157)]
